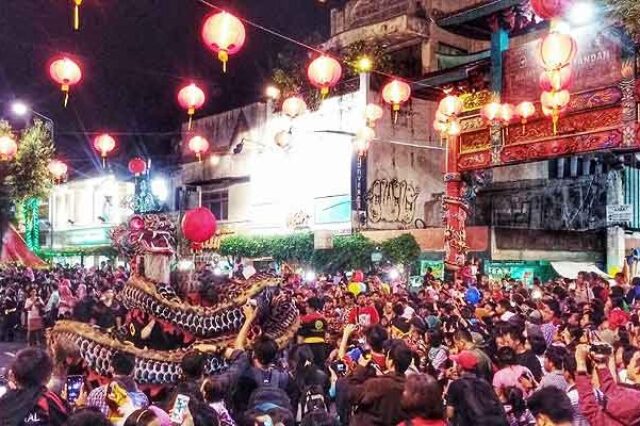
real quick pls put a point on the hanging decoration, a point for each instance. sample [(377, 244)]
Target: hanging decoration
[(553, 104), (104, 144), (191, 98), (198, 226), (373, 113), (324, 72), (58, 170), (557, 50), (198, 145), (8, 148), (76, 14), (525, 110), (65, 72), (556, 79), (137, 166), (294, 106), (550, 9), (447, 122), (395, 93), (224, 34), (363, 138)]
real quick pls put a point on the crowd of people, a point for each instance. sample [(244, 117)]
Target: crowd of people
[(472, 351)]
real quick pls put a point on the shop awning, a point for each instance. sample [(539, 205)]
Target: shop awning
[(570, 269)]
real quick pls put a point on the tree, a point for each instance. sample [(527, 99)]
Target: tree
[(627, 14), (26, 178)]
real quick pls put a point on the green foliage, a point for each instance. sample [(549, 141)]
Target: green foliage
[(30, 212), (374, 51), (403, 249), (78, 251), (29, 175), (627, 14), (349, 251)]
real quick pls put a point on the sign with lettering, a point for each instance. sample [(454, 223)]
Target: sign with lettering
[(365, 12), (597, 64), (619, 214)]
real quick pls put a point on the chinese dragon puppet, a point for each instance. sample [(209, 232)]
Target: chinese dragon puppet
[(161, 327)]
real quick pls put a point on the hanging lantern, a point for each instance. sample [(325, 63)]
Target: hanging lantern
[(65, 72), (198, 145), (454, 128), (191, 97), (76, 14), (294, 106), (555, 80), (324, 73), (550, 9), (57, 169), (224, 34), (198, 226), (104, 144), (8, 148), (507, 113), (396, 93), (373, 113), (491, 111), (137, 166), (282, 139), (557, 50), (553, 103), (363, 138), (524, 110), (450, 106)]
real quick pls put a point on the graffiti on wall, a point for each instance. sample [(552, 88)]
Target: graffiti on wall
[(392, 200)]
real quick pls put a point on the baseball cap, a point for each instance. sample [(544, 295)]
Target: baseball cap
[(466, 359)]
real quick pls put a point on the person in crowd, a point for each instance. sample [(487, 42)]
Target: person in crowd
[(551, 407), (10, 317), (364, 313), (190, 383), (34, 307), (215, 392), (88, 417), (550, 310), (422, 401), (28, 402), (511, 374), (53, 303), (313, 330), (554, 359), (463, 341), (123, 365), (377, 393)]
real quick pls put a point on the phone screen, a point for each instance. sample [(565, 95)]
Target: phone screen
[(179, 409), (74, 388)]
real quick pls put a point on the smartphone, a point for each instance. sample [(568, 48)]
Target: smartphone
[(74, 388), (179, 409)]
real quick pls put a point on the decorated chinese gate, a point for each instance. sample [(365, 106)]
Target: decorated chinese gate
[(601, 116)]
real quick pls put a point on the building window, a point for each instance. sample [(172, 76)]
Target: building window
[(218, 203)]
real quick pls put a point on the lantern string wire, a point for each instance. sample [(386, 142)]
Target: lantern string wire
[(308, 47)]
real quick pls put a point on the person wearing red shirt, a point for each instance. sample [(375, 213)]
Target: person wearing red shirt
[(365, 314)]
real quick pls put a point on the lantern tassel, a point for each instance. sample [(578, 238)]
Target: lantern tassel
[(66, 98), (76, 17), (324, 92), (189, 125), (554, 118), (104, 163), (223, 56)]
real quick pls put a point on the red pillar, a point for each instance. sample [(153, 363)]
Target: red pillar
[(454, 210)]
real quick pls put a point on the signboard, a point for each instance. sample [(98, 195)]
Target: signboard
[(619, 214), (322, 240), (437, 268), (376, 256), (597, 64)]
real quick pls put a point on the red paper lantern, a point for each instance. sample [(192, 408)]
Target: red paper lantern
[(8, 148), (549, 9), (191, 97), (198, 145), (553, 103), (556, 80), (224, 34), (324, 72), (294, 106), (373, 113), (198, 226), (491, 111), (58, 169), (137, 166), (104, 144), (396, 93), (525, 109), (557, 50), (65, 72), (507, 112)]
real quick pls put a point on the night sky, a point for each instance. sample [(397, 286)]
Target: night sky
[(135, 54)]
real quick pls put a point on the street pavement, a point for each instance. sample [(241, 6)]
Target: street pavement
[(8, 352)]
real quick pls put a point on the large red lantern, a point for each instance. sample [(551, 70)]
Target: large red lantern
[(65, 72), (137, 166), (324, 72), (8, 148), (224, 34), (553, 103), (557, 50), (294, 106), (556, 80), (198, 145), (104, 144), (57, 169), (549, 9), (396, 93), (198, 226), (191, 97)]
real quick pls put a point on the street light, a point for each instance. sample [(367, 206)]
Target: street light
[(21, 109)]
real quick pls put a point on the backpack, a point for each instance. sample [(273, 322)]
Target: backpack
[(270, 393), (311, 399), (481, 406)]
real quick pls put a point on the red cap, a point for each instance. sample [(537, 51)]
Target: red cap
[(466, 359)]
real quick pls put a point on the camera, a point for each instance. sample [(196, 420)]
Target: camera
[(339, 367), (601, 349)]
